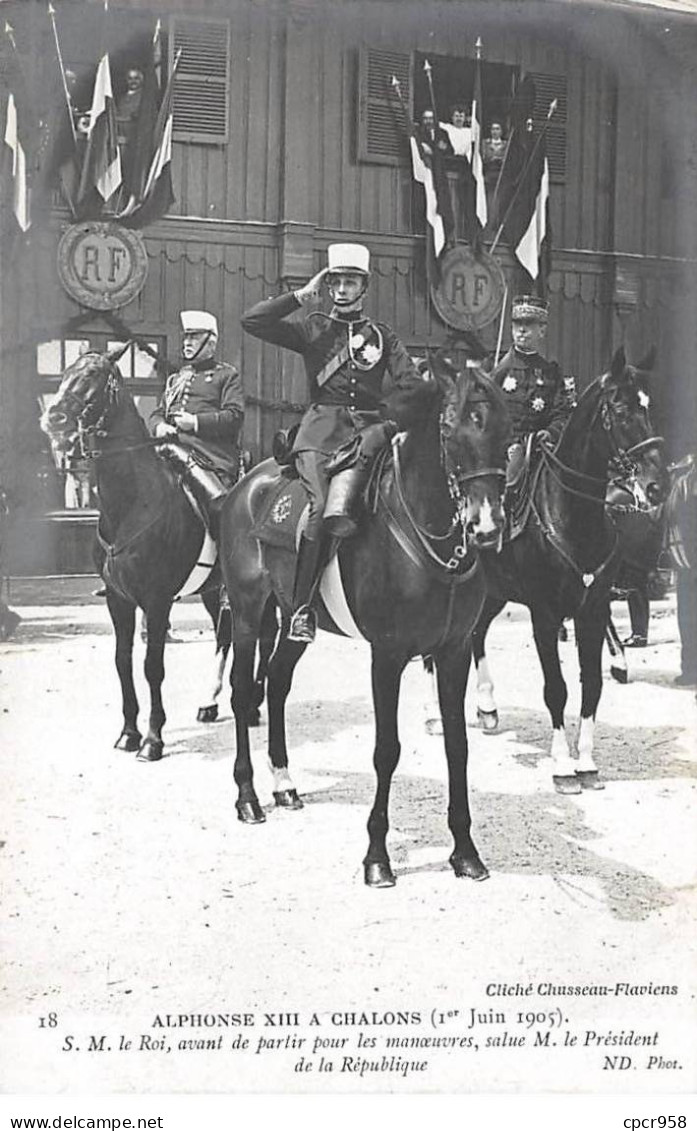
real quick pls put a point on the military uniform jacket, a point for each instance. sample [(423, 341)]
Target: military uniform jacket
[(537, 395), (212, 391), (352, 397)]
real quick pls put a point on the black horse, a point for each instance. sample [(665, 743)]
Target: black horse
[(564, 561), (151, 537), (412, 584)]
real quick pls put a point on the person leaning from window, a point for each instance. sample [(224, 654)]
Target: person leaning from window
[(459, 131), (494, 148), (364, 387), (539, 398), (432, 136), (200, 416), (128, 105)]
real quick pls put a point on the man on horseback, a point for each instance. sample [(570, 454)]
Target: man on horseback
[(539, 398), (364, 387), (200, 415)]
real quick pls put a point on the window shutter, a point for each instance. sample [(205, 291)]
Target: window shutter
[(547, 88), (382, 131), (201, 96)]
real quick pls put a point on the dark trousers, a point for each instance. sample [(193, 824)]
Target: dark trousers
[(311, 468), (687, 619), (638, 601)]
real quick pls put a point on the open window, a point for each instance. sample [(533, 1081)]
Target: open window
[(382, 132)]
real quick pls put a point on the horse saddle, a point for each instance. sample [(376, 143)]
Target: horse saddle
[(281, 513), (520, 491)]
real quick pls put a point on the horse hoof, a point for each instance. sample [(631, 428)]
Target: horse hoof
[(590, 779), (488, 720), (207, 714), (619, 674), (254, 718), (566, 783), (288, 799), (250, 812), (469, 868), (150, 751), (378, 874), (434, 726), (128, 740)]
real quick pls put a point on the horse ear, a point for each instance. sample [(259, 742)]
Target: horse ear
[(647, 363), (619, 363), (443, 370), (113, 355)]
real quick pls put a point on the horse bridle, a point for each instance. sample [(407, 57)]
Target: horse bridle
[(620, 458), (91, 429)]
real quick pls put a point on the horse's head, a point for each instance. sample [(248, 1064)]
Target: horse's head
[(474, 428), (87, 389), (635, 451)]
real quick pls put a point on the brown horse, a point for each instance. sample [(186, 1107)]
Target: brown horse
[(412, 584)]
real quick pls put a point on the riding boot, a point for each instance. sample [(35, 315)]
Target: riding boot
[(206, 487), (313, 558)]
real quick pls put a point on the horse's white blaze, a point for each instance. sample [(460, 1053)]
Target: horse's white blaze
[(564, 764), (282, 780), (586, 735), (485, 687), (485, 523)]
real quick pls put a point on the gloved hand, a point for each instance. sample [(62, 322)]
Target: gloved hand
[(164, 431), (375, 436), (312, 289), (514, 449), (186, 422)]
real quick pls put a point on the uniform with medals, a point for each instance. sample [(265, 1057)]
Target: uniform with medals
[(200, 415), (212, 391), (538, 396), (360, 378)]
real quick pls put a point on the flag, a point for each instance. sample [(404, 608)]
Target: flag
[(139, 150), (524, 189), (101, 170), (518, 147), (157, 195), (16, 144), (533, 249), (423, 173), (477, 163)]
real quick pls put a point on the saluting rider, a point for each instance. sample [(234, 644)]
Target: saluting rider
[(362, 383), (201, 412), (538, 396)]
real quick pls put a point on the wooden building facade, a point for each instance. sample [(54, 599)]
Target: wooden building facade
[(286, 140)]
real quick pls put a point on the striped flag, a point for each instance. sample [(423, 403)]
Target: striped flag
[(533, 248), (101, 171), (424, 175), (477, 164), (20, 201), (158, 195)]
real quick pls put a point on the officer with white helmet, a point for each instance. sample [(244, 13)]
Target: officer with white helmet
[(200, 414), (363, 387)]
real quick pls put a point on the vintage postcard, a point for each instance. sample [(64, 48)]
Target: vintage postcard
[(455, 244)]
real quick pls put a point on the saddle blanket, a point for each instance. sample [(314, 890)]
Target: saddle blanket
[(281, 524), (208, 555)]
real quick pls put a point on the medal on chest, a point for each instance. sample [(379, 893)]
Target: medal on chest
[(365, 346), (510, 384)]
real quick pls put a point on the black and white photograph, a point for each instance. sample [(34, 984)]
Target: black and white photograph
[(348, 552)]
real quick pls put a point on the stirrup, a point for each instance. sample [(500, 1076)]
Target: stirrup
[(303, 625)]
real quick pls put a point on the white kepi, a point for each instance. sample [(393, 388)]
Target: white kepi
[(348, 257), (193, 321)]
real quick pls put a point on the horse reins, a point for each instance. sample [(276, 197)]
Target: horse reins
[(620, 457)]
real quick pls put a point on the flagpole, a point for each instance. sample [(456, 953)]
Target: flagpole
[(500, 334), (66, 91), (10, 33), (523, 175), (428, 68)]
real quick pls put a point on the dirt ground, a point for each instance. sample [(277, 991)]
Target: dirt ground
[(131, 891)]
